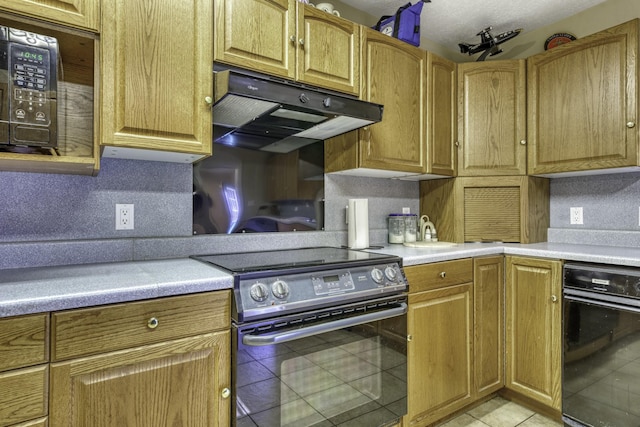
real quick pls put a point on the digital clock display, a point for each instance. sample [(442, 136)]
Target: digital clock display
[(31, 56), (329, 279)]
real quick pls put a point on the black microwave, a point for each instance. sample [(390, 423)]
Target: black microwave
[(28, 89)]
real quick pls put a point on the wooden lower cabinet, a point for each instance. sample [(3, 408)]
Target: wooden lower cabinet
[(160, 362), (439, 354), (533, 329), (24, 371), (488, 311), (174, 383)]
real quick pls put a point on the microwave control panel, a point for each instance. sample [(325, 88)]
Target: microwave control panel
[(29, 88)]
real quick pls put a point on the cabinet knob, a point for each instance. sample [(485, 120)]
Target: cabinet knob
[(409, 338), (457, 144), (554, 298), (442, 274), (293, 39), (523, 142), (631, 125), (152, 323), (226, 393), (301, 41), (208, 100)]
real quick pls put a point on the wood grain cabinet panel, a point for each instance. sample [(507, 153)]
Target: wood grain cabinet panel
[(492, 118), (488, 303), (533, 329), (440, 327), (23, 394), (289, 39), (171, 383), (582, 103), (107, 328), (156, 66), (24, 341), (76, 13)]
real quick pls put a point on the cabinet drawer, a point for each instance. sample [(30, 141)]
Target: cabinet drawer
[(24, 394), (440, 274), (114, 327), (23, 341)]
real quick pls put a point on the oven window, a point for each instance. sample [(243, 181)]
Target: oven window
[(355, 376), (601, 384)]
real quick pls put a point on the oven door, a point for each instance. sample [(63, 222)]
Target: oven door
[(323, 368), (601, 361)]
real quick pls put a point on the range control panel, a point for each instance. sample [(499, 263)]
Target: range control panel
[(291, 292)]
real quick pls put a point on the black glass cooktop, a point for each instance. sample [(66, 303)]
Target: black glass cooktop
[(245, 262)]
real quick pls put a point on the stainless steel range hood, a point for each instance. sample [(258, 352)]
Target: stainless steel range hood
[(259, 112)]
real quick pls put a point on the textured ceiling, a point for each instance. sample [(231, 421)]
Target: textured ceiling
[(449, 22)]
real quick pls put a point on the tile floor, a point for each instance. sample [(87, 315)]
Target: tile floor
[(499, 412)]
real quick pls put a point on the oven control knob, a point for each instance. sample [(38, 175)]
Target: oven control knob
[(280, 289), (259, 292), (391, 274), (377, 275)]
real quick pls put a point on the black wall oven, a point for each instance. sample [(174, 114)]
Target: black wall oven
[(601, 357), (319, 338)]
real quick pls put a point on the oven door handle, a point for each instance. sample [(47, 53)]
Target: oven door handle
[(280, 337), (614, 305)]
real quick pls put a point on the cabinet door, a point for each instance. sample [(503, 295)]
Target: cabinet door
[(488, 303), (174, 383), (156, 73), (328, 53), (582, 103), (395, 76), (76, 13), (533, 329), (441, 115), (439, 323), (257, 34), (492, 118)]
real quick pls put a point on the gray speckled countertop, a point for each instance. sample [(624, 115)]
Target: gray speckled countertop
[(41, 289)]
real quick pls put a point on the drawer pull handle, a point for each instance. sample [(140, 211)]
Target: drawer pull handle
[(443, 274), (152, 323)]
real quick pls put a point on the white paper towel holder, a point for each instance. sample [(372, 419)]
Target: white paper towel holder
[(358, 223)]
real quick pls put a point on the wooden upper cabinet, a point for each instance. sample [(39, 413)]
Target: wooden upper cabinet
[(289, 39), (441, 115), (83, 14), (582, 103), (328, 53), (156, 67), (492, 118), (395, 76), (255, 34)]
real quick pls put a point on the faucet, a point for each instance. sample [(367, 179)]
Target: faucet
[(427, 230)]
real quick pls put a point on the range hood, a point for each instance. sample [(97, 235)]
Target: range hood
[(263, 113)]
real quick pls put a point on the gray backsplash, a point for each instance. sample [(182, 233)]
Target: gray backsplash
[(49, 219)]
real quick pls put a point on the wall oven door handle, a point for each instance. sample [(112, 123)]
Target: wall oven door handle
[(280, 337), (614, 305)]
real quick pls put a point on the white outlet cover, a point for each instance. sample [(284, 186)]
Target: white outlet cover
[(576, 216), (124, 216)]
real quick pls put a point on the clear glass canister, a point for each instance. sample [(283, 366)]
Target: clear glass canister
[(396, 228), (410, 227)]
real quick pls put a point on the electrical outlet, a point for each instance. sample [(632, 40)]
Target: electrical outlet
[(124, 217), (576, 216)]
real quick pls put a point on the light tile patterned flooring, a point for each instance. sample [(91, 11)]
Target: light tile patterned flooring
[(499, 412)]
